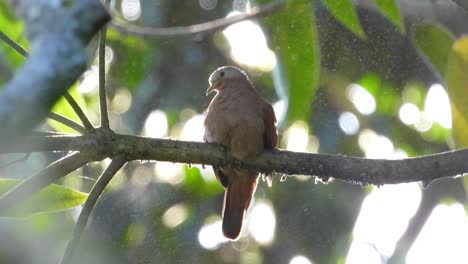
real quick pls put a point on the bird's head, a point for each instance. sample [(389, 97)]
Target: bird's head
[(221, 75)]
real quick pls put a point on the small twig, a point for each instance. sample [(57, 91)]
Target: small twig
[(462, 3), (79, 112), (46, 133), (66, 121), (102, 75), (94, 195), (25, 157), (67, 95), (46, 176), (13, 44), (172, 32)]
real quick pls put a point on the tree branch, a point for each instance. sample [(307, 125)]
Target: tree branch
[(48, 175), (94, 195), (66, 121), (79, 112), (462, 3), (13, 44), (58, 35), (349, 169), (102, 76), (203, 28)]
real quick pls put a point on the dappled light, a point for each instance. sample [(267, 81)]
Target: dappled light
[(210, 236), (175, 215), (361, 98), (121, 102), (437, 106), (300, 260), (262, 223), (156, 124), (443, 238), (383, 218), (249, 46), (375, 146), (168, 172), (352, 81), (423, 123), (348, 123), (409, 113), (193, 129), (131, 9), (208, 4), (297, 138), (90, 81)]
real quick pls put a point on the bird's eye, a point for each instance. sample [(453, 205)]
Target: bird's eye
[(221, 74)]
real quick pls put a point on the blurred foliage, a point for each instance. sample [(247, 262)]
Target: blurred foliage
[(294, 38), (321, 47), (53, 198), (130, 65), (389, 8), (434, 43), (62, 107), (345, 12), (457, 83)]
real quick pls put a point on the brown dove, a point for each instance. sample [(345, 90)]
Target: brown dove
[(240, 119)]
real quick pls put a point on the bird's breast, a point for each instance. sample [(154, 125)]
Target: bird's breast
[(236, 125)]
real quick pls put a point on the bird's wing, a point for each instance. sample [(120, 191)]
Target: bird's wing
[(222, 178), (270, 136)]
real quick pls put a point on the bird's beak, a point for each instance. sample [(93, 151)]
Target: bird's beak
[(213, 87)]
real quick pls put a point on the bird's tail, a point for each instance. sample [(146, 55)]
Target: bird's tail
[(236, 202)]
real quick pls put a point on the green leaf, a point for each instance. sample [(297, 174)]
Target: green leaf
[(133, 57), (457, 85), (62, 107), (293, 37), (53, 198), (14, 29), (199, 187), (389, 8), (434, 43), (345, 13)]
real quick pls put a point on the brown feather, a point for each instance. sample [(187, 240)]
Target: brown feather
[(240, 119), (236, 202)]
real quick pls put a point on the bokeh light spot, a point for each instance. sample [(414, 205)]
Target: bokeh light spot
[(208, 4), (297, 136), (248, 45), (408, 114), (131, 9), (383, 218), (169, 172), (437, 106), (193, 129), (211, 236), (262, 223), (175, 215), (348, 123), (299, 259), (156, 124), (443, 238), (361, 98)]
